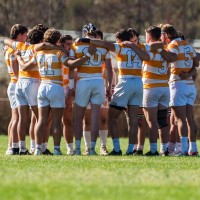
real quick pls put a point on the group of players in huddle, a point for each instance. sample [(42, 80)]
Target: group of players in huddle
[(67, 86)]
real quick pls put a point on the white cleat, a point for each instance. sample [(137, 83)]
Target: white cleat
[(37, 152)]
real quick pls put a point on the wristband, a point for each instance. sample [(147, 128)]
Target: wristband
[(88, 54), (71, 83)]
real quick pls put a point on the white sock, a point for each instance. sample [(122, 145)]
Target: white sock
[(153, 147), (22, 145), (39, 146), (184, 144), (78, 144), (103, 134), (32, 144), (192, 147), (69, 146), (46, 144), (43, 147), (171, 147), (116, 144), (15, 145), (177, 147), (163, 147), (87, 138), (140, 147), (135, 147)]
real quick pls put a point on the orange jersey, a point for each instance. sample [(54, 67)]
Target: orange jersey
[(65, 75), (50, 63), (128, 62), (27, 52), (155, 71), (93, 67), (9, 57), (184, 61)]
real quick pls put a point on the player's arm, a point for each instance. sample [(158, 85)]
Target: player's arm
[(156, 45), (15, 67), (8, 42), (143, 55), (48, 46), (78, 62), (24, 66), (109, 77), (168, 56), (101, 43)]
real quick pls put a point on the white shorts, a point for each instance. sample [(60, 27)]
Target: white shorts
[(104, 105), (128, 92), (90, 91), (51, 94), (152, 97), (11, 95), (26, 92), (182, 93)]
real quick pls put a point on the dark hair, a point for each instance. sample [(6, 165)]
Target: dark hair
[(52, 36), (35, 36), (180, 34), (63, 38), (170, 31), (154, 31), (99, 33), (16, 30), (133, 32), (41, 27), (123, 35)]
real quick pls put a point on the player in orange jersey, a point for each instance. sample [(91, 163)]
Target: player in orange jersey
[(182, 89), (18, 33), (103, 132), (51, 93), (90, 86)]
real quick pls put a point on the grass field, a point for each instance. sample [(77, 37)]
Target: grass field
[(80, 177)]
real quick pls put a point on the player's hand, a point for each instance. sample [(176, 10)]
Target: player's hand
[(109, 93), (5, 48), (17, 53), (84, 40), (92, 50)]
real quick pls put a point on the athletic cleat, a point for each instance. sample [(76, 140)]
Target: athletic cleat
[(115, 153), (32, 151), (15, 151), (57, 152), (93, 152), (24, 152), (128, 153), (193, 154), (138, 153), (47, 153), (152, 154), (103, 151), (165, 153), (9, 151), (37, 152), (70, 152), (77, 152), (87, 152), (177, 154)]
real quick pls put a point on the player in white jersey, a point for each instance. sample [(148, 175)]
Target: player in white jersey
[(128, 91), (90, 86), (182, 88), (51, 93)]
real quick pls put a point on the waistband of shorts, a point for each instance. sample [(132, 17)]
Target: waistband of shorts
[(51, 83), (28, 79), (91, 78)]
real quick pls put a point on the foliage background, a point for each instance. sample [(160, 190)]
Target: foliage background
[(107, 15)]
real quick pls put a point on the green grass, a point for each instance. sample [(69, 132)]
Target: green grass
[(79, 177)]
